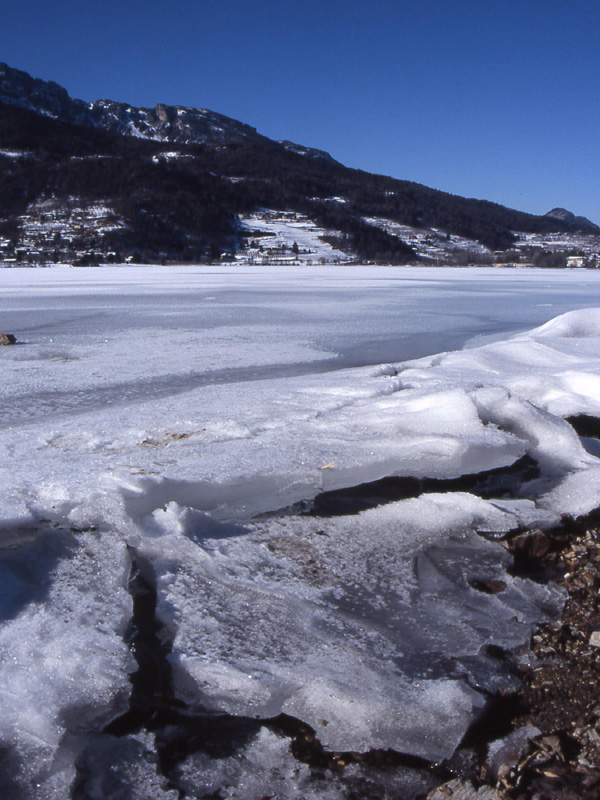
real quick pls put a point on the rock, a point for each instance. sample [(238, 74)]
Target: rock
[(462, 790), (533, 544), (7, 338), (595, 639)]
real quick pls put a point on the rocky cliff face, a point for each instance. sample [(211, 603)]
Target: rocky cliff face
[(172, 124), (18, 88), (162, 123)]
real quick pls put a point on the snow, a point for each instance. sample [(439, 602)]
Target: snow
[(431, 243), (16, 153), (284, 229), (588, 244), (176, 415)]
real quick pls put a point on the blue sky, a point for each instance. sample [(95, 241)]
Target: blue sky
[(498, 100)]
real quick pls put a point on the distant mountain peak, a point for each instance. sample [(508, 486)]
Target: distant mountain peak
[(568, 216), (560, 213), (46, 97)]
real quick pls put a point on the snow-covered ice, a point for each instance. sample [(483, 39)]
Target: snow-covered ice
[(186, 418)]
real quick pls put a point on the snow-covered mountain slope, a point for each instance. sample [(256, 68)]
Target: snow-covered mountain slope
[(557, 249), (434, 244), (182, 180), (162, 123), (287, 237)]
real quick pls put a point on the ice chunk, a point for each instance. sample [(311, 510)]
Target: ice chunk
[(265, 767), (368, 628), (64, 666), (503, 754), (551, 441), (111, 768)]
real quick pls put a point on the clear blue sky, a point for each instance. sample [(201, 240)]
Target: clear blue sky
[(498, 100)]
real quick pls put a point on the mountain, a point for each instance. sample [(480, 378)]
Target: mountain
[(567, 216), (104, 181), (162, 123)]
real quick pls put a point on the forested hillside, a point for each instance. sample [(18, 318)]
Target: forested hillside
[(81, 191)]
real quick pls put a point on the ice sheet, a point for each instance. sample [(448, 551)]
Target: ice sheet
[(179, 410), (366, 627)]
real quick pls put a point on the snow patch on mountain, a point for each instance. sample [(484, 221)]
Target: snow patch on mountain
[(432, 243), (287, 237)]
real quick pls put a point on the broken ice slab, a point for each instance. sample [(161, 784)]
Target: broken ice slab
[(64, 664), (367, 628), (265, 767), (111, 767)]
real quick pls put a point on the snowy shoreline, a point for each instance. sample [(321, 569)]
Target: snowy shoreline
[(368, 626)]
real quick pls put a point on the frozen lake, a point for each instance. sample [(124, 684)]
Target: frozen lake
[(183, 424), (257, 316)]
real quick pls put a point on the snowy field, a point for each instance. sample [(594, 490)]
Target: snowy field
[(196, 427), (277, 232)]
